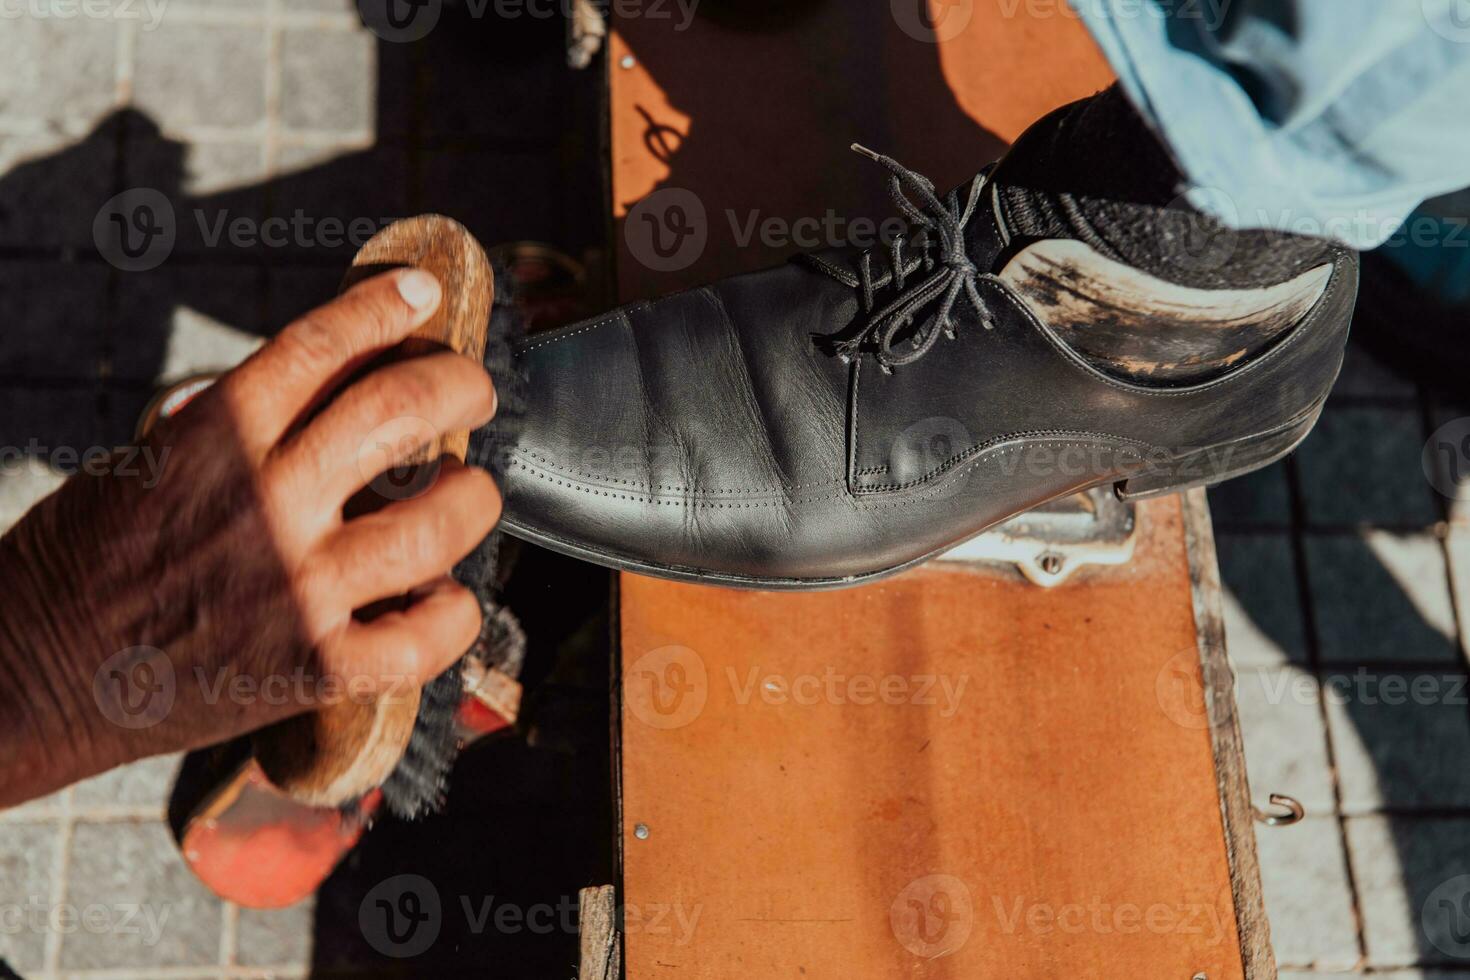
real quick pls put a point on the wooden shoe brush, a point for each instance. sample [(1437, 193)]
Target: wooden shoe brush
[(404, 743)]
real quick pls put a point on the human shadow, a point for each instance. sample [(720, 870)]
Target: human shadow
[(105, 297), (1364, 610)]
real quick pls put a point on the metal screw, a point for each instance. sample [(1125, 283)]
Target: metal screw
[(1050, 562), (640, 831), (627, 61)]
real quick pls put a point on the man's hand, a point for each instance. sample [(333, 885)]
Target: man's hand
[(148, 611)]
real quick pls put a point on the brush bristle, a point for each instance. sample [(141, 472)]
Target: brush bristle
[(419, 781), (418, 784)]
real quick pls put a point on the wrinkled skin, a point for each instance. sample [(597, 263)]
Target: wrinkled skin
[(232, 565)]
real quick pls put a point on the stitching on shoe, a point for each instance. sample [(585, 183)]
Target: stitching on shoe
[(552, 477), (995, 447), (560, 337), (552, 466)]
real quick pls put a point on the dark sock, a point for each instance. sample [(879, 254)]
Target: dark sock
[(1094, 171)]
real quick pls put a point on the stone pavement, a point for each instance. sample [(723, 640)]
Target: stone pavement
[(1349, 588)]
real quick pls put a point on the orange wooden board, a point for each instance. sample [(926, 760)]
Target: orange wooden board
[(951, 774), (757, 124)]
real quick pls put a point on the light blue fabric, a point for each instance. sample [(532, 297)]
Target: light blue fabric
[(1328, 117)]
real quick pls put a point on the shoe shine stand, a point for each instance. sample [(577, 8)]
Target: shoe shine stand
[(964, 771)]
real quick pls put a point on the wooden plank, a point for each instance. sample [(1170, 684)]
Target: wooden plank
[(1053, 812), (952, 773)]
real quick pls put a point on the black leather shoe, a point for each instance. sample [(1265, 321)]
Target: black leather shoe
[(843, 417)]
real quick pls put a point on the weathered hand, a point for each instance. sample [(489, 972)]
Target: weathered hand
[(150, 609)]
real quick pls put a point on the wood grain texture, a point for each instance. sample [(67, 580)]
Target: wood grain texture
[(334, 756), (1218, 679), (951, 774), (1065, 812)]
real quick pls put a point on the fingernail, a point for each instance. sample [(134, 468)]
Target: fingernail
[(419, 289)]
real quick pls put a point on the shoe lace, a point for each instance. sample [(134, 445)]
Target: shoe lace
[(936, 252)]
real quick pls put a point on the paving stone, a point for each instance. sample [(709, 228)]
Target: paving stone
[(328, 79), (1262, 497), (1376, 975), (1363, 465), (336, 198), (1458, 547), (32, 49), (1451, 462), (217, 190), (1400, 738), (1308, 901), (122, 866), (1363, 376), (51, 187), (186, 319), (40, 809), (23, 482), (237, 7), (1285, 736), (212, 75), (26, 897), (43, 434), (324, 6), (1381, 597), (276, 937), (1263, 605), (52, 313), (146, 783), (1398, 864)]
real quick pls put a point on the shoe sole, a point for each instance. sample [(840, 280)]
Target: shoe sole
[(1242, 456)]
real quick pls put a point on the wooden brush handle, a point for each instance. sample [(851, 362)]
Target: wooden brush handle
[(334, 756)]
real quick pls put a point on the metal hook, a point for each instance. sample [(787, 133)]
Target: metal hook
[(1295, 812)]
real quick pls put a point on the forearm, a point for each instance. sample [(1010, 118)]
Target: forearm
[(48, 720)]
